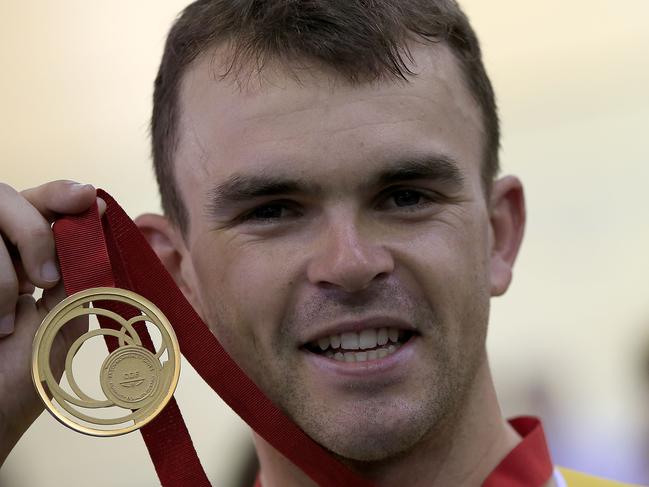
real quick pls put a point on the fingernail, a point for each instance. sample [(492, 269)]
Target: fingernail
[(101, 206), (82, 187), (49, 272), (6, 325)]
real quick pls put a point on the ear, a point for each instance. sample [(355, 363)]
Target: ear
[(168, 244), (507, 219)]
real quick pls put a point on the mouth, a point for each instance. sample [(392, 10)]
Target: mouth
[(360, 346)]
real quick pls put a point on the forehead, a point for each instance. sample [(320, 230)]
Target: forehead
[(319, 121)]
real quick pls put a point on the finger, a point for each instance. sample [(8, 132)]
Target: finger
[(8, 292), (27, 322), (27, 318), (25, 286), (30, 232), (52, 297), (60, 198)]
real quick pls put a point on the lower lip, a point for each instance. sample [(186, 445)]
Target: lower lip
[(397, 362)]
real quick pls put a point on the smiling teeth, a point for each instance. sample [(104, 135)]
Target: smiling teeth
[(382, 336), (349, 341), (364, 340), (363, 356)]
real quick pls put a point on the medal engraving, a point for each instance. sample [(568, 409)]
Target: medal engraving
[(136, 382), (130, 376)]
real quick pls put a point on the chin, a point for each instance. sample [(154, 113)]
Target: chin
[(373, 433), (376, 449)]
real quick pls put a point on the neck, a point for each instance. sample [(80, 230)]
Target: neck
[(463, 450)]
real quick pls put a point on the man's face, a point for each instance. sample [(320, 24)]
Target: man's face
[(339, 243)]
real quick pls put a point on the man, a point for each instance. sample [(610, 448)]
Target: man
[(328, 175)]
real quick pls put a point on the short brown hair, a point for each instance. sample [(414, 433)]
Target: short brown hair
[(362, 40)]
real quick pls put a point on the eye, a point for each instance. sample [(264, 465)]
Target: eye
[(408, 199), (269, 213)]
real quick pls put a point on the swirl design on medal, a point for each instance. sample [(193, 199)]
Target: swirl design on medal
[(157, 377)]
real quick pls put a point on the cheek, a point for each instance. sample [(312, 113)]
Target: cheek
[(449, 264), (243, 294), (468, 288)]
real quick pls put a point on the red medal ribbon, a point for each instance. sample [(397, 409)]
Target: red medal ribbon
[(116, 254)]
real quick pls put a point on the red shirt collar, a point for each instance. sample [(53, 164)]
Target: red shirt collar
[(528, 465)]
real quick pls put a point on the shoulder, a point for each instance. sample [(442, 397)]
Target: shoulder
[(577, 479)]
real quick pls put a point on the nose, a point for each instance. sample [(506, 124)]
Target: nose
[(348, 258)]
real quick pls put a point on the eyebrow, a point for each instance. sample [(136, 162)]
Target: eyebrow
[(440, 168), (240, 188)]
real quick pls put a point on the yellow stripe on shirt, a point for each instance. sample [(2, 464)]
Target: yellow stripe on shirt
[(577, 479)]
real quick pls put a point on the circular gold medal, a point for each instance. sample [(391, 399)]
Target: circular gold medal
[(136, 383)]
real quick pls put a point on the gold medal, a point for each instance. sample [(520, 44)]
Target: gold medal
[(136, 383)]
